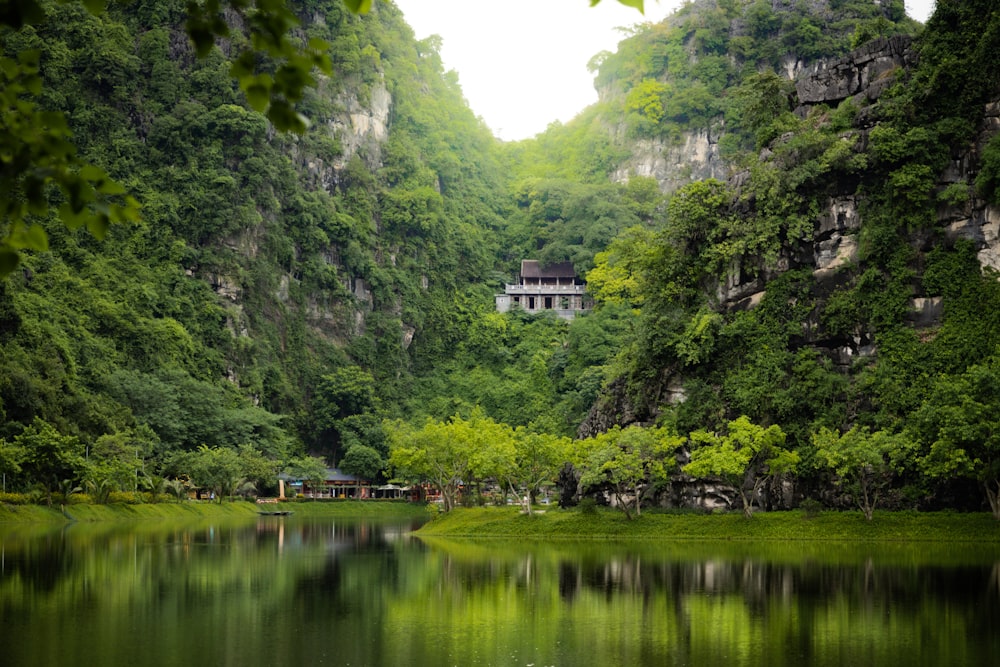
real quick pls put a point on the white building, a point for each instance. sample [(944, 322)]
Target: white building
[(556, 288)]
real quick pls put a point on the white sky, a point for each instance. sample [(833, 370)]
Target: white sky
[(523, 63)]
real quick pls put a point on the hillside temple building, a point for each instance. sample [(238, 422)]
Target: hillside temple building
[(554, 288)]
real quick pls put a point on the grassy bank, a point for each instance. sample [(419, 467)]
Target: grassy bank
[(204, 509), (850, 526)]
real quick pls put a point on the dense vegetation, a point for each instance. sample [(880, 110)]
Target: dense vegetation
[(919, 403), (329, 293), (268, 270)]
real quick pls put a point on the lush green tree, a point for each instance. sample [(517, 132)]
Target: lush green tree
[(560, 220), (862, 461), (958, 427), (363, 461), (745, 457), (619, 269), (630, 461), (49, 457), (342, 400), (101, 478), (645, 100), (11, 456), (156, 485), (519, 461), (40, 155), (429, 454), (227, 472), (272, 67), (451, 454), (310, 469), (538, 457)]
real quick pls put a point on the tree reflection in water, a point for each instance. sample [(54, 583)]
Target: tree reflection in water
[(278, 590)]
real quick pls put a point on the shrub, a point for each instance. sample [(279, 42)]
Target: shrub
[(14, 499), (810, 508)]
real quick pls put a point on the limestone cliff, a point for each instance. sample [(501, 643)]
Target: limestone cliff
[(832, 252)]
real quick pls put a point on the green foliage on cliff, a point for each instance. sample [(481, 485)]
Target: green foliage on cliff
[(734, 317), (286, 295), (688, 70), (264, 265)]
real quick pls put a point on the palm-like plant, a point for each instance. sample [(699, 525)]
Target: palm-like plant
[(99, 488), (156, 485), (67, 488), (176, 488)]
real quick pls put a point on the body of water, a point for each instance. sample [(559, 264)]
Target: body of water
[(290, 591)]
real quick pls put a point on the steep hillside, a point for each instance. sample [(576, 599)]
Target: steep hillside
[(672, 96), (264, 262), (786, 213), (843, 274)]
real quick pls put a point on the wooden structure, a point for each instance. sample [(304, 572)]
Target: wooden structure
[(336, 485)]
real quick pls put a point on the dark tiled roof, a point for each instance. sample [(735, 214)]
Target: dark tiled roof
[(332, 475), (531, 268)]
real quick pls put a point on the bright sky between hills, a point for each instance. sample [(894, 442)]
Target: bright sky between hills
[(522, 64)]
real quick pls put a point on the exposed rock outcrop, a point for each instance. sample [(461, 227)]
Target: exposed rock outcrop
[(863, 74), (364, 127), (614, 407), (673, 164)]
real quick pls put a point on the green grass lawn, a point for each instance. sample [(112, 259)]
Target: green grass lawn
[(794, 525), (599, 523), (205, 509)]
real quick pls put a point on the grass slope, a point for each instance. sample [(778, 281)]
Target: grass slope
[(196, 509), (556, 523)]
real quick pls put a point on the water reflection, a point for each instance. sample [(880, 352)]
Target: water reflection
[(277, 590)]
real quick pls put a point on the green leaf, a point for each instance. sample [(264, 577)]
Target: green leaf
[(628, 3), (319, 45), (258, 93), (95, 7), (29, 59), (98, 226), (35, 238), (17, 14), (359, 6), (110, 187), (285, 118), (634, 3), (91, 173), (9, 259), (71, 218)]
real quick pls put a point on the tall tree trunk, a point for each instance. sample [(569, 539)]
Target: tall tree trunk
[(992, 488), (527, 505), (622, 503), (747, 504), (868, 503)]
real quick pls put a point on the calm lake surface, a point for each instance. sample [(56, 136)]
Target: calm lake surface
[(291, 591)]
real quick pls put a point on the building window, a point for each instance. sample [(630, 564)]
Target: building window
[(548, 303)]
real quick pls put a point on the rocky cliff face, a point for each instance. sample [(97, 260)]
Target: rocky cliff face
[(863, 74), (694, 157), (833, 249)]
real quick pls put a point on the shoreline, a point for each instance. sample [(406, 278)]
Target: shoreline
[(194, 509), (794, 525), (557, 524)]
